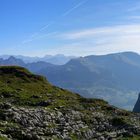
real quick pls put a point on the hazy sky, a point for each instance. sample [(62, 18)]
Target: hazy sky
[(70, 27)]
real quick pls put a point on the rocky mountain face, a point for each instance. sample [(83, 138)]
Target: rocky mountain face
[(137, 105), (33, 109)]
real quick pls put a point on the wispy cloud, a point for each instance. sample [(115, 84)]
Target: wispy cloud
[(134, 17), (101, 40), (103, 31), (135, 8)]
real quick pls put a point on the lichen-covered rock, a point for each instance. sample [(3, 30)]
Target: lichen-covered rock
[(40, 123)]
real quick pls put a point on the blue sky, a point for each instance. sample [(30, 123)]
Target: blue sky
[(70, 27)]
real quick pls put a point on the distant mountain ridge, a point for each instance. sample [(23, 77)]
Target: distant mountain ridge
[(58, 59), (35, 66), (12, 61), (113, 77)]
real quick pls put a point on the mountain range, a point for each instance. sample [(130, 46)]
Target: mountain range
[(113, 77), (58, 59)]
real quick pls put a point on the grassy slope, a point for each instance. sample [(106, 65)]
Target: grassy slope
[(3, 138), (134, 138), (20, 87)]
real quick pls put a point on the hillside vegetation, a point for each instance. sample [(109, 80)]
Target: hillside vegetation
[(20, 87), (33, 109)]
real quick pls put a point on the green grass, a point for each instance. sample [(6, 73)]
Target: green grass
[(3, 138), (131, 138)]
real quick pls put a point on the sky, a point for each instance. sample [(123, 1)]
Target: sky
[(70, 27)]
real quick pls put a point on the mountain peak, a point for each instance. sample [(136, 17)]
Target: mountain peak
[(13, 61), (11, 58)]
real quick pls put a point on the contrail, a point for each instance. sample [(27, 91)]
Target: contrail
[(73, 8), (36, 35), (46, 26), (65, 14)]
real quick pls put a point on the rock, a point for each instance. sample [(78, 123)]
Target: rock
[(39, 123), (5, 106), (137, 105)]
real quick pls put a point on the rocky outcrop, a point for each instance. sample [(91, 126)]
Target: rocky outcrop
[(137, 105), (66, 124)]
